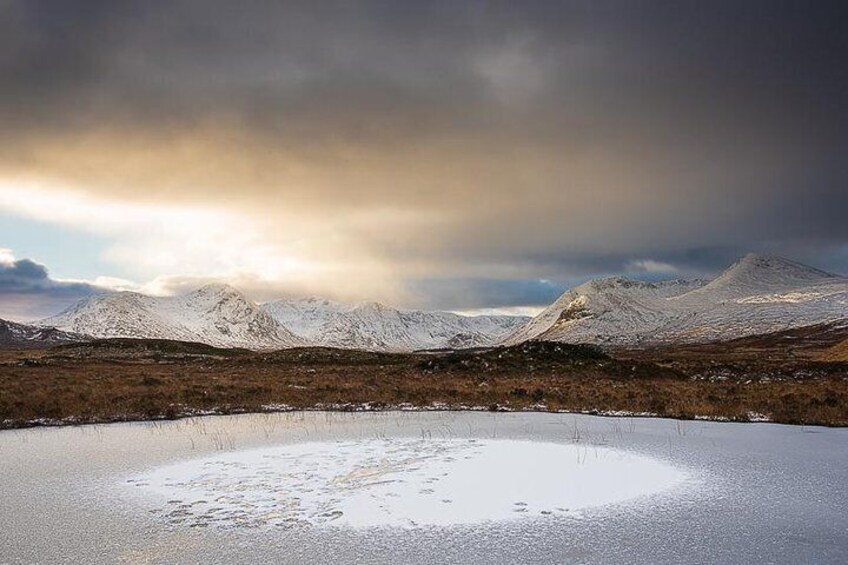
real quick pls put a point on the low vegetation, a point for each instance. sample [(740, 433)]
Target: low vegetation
[(114, 380)]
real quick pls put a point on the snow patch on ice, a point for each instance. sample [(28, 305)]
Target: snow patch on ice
[(401, 482)]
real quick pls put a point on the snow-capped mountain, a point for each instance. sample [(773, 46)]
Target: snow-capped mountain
[(604, 309), (756, 295), (215, 314), (13, 334), (374, 326), (222, 316), (305, 317)]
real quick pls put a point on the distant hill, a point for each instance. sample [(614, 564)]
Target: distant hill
[(13, 334)]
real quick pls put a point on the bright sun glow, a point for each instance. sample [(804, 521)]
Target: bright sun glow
[(153, 238)]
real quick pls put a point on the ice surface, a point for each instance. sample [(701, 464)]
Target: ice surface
[(754, 493), (402, 482)]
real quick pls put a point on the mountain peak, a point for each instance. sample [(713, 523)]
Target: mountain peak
[(764, 261), (757, 294), (757, 269), (614, 282), (379, 327), (217, 287), (218, 290), (216, 314), (376, 307)]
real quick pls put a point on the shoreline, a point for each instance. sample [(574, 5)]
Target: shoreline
[(365, 408)]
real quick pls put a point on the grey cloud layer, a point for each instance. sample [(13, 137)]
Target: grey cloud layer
[(27, 291), (536, 140)]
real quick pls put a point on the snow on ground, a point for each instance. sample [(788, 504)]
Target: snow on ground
[(401, 482)]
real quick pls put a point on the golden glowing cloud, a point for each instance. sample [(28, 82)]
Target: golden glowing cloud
[(197, 243)]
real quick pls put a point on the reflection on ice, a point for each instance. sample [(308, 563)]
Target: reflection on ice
[(401, 482)]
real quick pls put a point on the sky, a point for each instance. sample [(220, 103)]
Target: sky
[(457, 155)]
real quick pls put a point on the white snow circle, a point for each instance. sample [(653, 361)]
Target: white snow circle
[(401, 482)]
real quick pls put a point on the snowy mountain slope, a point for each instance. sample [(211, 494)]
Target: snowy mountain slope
[(123, 314), (615, 307), (374, 326), (756, 295), (755, 275), (217, 315), (304, 316), (13, 334), (220, 315)]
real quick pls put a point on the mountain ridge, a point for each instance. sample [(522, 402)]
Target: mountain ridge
[(220, 315), (378, 327), (757, 294), (217, 315), (15, 334)]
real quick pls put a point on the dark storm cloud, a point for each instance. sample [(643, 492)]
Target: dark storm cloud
[(27, 291), (25, 275), (541, 140)]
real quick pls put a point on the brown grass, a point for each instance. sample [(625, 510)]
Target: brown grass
[(130, 380), (836, 353)]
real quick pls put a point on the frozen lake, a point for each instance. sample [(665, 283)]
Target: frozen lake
[(434, 487)]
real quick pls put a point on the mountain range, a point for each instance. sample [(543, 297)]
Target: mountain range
[(756, 295), (215, 314), (222, 316), (374, 326)]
